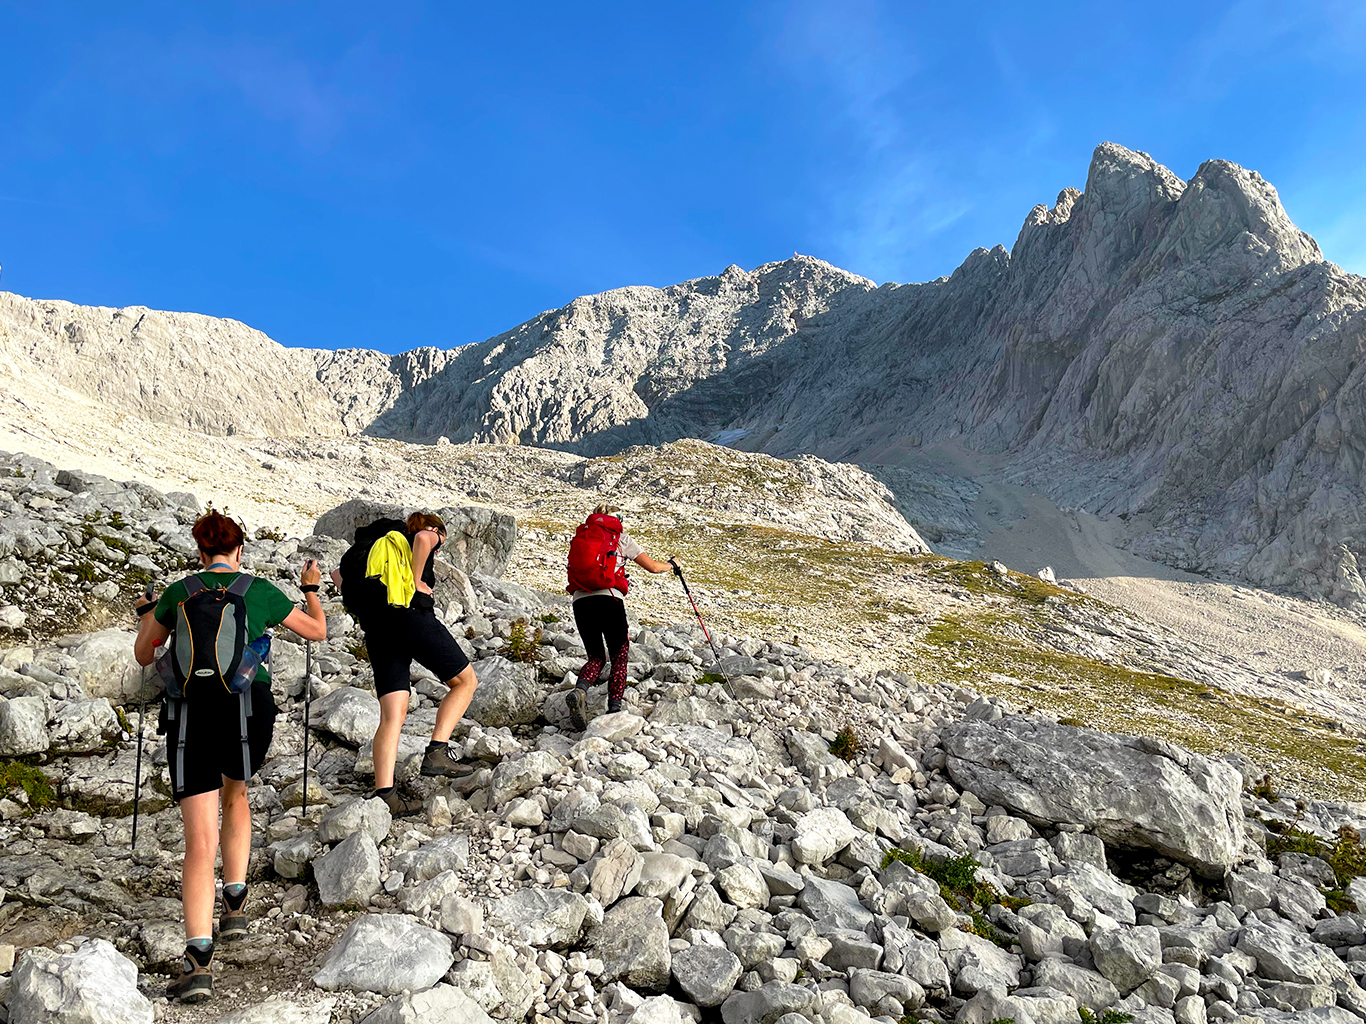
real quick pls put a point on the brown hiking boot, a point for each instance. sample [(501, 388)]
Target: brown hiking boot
[(232, 922), (578, 709), (194, 984), (438, 761), (400, 806)]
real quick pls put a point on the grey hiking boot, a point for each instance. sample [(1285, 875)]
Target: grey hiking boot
[(578, 709), (438, 761), (613, 706), (400, 806)]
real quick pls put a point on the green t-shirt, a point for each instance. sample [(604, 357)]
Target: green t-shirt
[(266, 604)]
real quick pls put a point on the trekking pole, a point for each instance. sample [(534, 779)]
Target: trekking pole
[(308, 700), (142, 714), (705, 632)]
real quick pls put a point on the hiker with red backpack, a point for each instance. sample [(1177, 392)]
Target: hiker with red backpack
[(386, 580), (598, 555), (218, 719)]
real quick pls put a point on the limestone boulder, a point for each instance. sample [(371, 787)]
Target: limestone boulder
[(1134, 792)]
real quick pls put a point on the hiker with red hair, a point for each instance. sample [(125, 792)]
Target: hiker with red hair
[(218, 721)]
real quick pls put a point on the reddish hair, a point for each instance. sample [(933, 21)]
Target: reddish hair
[(216, 534), (425, 521)]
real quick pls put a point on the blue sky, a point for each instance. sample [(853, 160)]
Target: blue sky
[(348, 174)]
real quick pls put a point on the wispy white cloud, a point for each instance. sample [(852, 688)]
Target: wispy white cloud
[(1251, 32), (884, 193)]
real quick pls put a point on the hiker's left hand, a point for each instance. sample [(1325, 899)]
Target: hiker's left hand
[(144, 605)]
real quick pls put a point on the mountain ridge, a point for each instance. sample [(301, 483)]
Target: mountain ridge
[(1176, 351)]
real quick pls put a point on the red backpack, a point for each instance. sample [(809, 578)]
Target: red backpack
[(593, 556)]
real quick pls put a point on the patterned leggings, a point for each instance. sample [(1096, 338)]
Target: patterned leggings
[(601, 621)]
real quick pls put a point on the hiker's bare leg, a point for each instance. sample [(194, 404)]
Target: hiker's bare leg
[(454, 705), (235, 833), (393, 709), (199, 813)]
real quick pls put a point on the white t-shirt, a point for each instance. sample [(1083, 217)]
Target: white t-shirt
[(627, 551)]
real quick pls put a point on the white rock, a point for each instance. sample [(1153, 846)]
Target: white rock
[(95, 984)]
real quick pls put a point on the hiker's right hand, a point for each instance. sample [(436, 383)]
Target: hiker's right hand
[(312, 574), (676, 562)]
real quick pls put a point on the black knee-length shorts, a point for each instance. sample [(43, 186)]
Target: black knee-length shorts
[(396, 637), (213, 739)]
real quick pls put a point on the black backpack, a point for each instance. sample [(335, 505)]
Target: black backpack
[(362, 596), (208, 653)]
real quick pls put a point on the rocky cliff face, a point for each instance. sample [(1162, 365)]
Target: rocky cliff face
[(1174, 350)]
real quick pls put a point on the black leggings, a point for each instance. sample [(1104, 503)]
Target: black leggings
[(601, 620)]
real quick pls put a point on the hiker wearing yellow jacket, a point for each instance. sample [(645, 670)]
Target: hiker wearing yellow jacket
[(401, 627)]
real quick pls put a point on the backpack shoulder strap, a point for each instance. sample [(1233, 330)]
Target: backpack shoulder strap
[(241, 585), (193, 585)]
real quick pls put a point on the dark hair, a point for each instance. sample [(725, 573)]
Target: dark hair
[(216, 534), (425, 521)]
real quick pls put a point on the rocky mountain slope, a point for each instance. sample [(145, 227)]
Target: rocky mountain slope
[(1173, 351), (809, 842)]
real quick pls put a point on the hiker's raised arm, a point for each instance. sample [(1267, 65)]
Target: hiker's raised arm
[(150, 633), (652, 564), (310, 622)]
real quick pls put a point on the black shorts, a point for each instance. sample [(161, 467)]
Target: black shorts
[(213, 739), (396, 637)]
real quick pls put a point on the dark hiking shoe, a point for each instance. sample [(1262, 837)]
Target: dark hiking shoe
[(578, 709), (613, 706), (232, 922), (400, 806), (194, 984), (438, 761)]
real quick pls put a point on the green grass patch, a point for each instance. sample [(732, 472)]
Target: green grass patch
[(1344, 854), (979, 578), (17, 776), (962, 890), (1104, 1017), (988, 650)]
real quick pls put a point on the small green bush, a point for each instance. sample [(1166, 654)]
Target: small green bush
[(521, 646), (1104, 1017), (1265, 790), (846, 744), (358, 650)]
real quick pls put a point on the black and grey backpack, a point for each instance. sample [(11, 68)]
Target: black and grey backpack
[(208, 653)]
